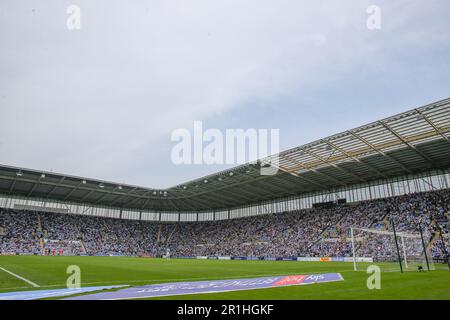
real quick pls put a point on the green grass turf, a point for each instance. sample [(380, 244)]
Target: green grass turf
[(50, 273)]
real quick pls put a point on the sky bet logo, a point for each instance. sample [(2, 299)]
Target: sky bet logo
[(290, 280)]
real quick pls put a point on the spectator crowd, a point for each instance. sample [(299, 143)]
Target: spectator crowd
[(323, 232)]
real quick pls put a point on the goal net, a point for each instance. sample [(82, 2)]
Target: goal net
[(391, 251)]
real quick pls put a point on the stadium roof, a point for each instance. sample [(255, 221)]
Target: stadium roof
[(411, 142)]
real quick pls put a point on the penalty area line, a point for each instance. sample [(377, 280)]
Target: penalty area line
[(21, 278)]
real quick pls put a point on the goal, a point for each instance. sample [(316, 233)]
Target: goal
[(402, 251)]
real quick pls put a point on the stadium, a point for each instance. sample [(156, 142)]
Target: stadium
[(376, 195), (257, 158)]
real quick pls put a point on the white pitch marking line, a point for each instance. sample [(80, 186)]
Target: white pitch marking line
[(21, 278)]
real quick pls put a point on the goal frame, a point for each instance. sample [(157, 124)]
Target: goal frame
[(395, 234)]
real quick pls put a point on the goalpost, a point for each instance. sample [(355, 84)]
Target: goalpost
[(408, 249)]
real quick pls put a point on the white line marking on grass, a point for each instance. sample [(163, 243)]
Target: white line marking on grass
[(21, 278)]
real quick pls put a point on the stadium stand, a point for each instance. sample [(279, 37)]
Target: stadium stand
[(392, 170), (320, 232)]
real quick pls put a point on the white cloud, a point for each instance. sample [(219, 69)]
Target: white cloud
[(86, 102)]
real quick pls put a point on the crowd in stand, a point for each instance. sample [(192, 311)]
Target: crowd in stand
[(314, 232), (19, 232)]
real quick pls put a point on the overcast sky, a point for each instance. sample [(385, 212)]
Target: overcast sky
[(102, 101)]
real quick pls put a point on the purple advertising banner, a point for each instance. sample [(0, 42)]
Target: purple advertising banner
[(180, 288), (41, 294)]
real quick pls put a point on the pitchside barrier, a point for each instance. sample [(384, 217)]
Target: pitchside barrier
[(304, 259), (335, 259)]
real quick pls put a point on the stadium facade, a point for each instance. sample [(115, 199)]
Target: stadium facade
[(403, 154)]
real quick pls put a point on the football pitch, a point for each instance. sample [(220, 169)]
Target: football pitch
[(25, 273)]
